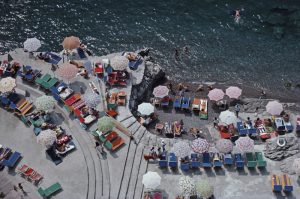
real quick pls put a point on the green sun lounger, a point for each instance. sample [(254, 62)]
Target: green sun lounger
[(260, 159), (49, 84), (25, 121), (251, 162), (50, 190), (45, 78), (38, 122)]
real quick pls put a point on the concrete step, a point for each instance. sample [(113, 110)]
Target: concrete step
[(139, 134), (128, 122), (123, 116), (134, 127)]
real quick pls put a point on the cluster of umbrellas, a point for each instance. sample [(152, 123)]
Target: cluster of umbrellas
[(188, 187), (233, 92)]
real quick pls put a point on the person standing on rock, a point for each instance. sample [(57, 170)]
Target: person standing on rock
[(237, 109)]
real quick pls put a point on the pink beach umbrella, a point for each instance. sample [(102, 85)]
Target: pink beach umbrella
[(160, 91), (233, 92), (67, 71), (245, 144), (274, 107), (216, 94), (71, 43), (224, 146), (200, 145)]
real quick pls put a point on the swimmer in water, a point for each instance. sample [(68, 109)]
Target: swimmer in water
[(177, 55), (237, 15)]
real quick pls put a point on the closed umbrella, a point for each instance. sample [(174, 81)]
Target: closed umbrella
[(186, 186), (200, 145), (181, 149), (47, 138), (105, 124), (160, 91), (146, 109), (296, 166), (119, 63), (91, 99), (228, 117), (245, 144), (274, 108), (67, 71), (224, 146), (233, 92), (7, 84), (32, 44), (151, 180), (44, 103), (71, 43), (204, 188), (216, 94)]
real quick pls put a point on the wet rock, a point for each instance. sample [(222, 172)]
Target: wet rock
[(275, 152)]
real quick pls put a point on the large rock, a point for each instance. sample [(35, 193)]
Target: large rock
[(287, 165), (142, 92), (275, 152)]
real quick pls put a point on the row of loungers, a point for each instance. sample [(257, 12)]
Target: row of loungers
[(213, 160), (281, 184), (30, 174)]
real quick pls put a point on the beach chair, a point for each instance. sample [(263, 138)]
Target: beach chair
[(173, 160), (50, 190), (117, 143), (45, 78), (35, 178), (203, 114), (286, 183), (216, 160), (53, 58), (196, 104), (185, 103), (241, 129), (288, 126), (206, 163), (239, 162), (23, 169), (195, 162), (185, 166), (251, 162), (177, 102), (25, 121), (279, 124), (261, 163), (49, 84), (163, 162), (228, 160), (71, 100), (165, 102), (276, 184), (12, 160)]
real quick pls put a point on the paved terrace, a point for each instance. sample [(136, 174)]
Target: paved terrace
[(85, 173)]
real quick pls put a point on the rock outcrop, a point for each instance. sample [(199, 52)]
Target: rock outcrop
[(141, 92), (287, 165), (275, 152)]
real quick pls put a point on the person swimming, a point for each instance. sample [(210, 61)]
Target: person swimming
[(237, 15)]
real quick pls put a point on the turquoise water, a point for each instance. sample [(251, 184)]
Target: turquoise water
[(262, 51)]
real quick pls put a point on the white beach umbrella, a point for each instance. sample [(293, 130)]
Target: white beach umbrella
[(32, 44), (233, 92), (91, 99), (216, 94), (224, 146), (44, 103), (151, 180), (71, 43), (274, 107), (186, 186), (228, 117), (245, 144), (296, 166), (181, 149), (7, 84), (146, 109), (119, 62), (67, 71), (47, 138), (200, 145), (160, 91), (204, 188)]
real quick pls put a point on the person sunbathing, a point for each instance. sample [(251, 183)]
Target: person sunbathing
[(131, 56)]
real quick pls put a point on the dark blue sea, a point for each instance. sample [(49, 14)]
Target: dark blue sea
[(262, 51)]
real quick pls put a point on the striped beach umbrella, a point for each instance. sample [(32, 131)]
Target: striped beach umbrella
[(216, 94), (44, 103), (160, 91), (233, 92), (186, 186), (245, 144), (181, 149), (32, 44), (200, 145), (224, 146), (67, 71), (7, 84), (274, 107)]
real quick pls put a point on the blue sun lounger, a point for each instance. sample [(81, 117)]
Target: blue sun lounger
[(276, 184), (163, 162), (206, 160), (239, 162), (54, 59), (228, 160), (216, 160), (185, 103), (173, 160), (195, 163), (177, 102), (241, 129), (12, 160)]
